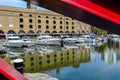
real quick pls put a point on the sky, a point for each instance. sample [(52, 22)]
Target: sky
[(16, 3)]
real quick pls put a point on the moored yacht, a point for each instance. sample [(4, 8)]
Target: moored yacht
[(69, 39), (28, 41), (13, 41), (47, 40), (90, 38)]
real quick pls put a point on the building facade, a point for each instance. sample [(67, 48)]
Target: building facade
[(31, 21)]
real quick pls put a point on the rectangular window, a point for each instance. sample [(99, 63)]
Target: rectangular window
[(21, 20), (0, 25), (54, 27), (47, 27), (72, 27), (39, 21), (9, 13), (10, 25), (39, 26), (66, 27), (21, 26), (0, 18), (30, 20), (10, 19), (60, 27), (30, 26)]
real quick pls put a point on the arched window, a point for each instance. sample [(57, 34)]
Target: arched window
[(2, 32), (54, 32), (47, 31), (39, 26), (47, 22), (39, 21), (54, 22), (30, 15), (11, 32), (31, 32), (20, 14), (21, 32)]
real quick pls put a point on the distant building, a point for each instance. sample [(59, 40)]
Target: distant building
[(32, 21)]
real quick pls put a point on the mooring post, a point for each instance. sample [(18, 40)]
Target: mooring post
[(18, 65)]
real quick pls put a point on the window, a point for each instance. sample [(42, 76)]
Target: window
[(30, 15), (60, 27), (31, 58), (47, 27), (0, 25), (20, 14), (66, 18), (10, 19), (54, 27), (32, 64), (30, 26), (40, 62), (60, 17), (39, 26), (21, 26), (48, 56), (10, 25), (21, 20), (54, 17), (0, 18), (60, 22), (9, 13), (46, 16), (30, 20), (72, 23), (39, 21), (54, 22), (39, 16), (72, 27), (47, 22), (66, 23), (66, 27)]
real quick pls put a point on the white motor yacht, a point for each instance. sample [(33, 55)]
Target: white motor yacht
[(69, 40), (47, 40), (13, 41), (28, 41)]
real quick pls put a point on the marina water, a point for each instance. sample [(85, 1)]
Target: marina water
[(88, 61)]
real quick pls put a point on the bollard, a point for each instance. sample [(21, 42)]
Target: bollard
[(18, 65)]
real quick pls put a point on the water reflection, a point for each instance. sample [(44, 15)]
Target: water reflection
[(112, 53), (58, 59), (70, 62)]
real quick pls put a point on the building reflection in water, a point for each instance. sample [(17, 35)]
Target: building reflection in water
[(112, 53), (55, 60)]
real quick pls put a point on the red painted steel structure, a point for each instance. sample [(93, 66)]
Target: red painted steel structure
[(96, 7), (7, 72), (101, 13), (104, 14)]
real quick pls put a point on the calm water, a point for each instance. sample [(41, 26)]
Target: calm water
[(98, 61)]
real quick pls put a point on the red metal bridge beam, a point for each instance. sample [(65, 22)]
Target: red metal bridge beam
[(104, 14), (7, 72)]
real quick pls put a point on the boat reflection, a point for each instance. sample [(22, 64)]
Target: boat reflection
[(44, 58), (47, 49), (13, 52)]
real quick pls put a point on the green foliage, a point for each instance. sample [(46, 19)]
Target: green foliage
[(99, 31)]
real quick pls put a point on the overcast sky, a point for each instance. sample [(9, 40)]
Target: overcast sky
[(15, 3)]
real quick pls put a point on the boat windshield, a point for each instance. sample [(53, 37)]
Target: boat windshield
[(13, 38)]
